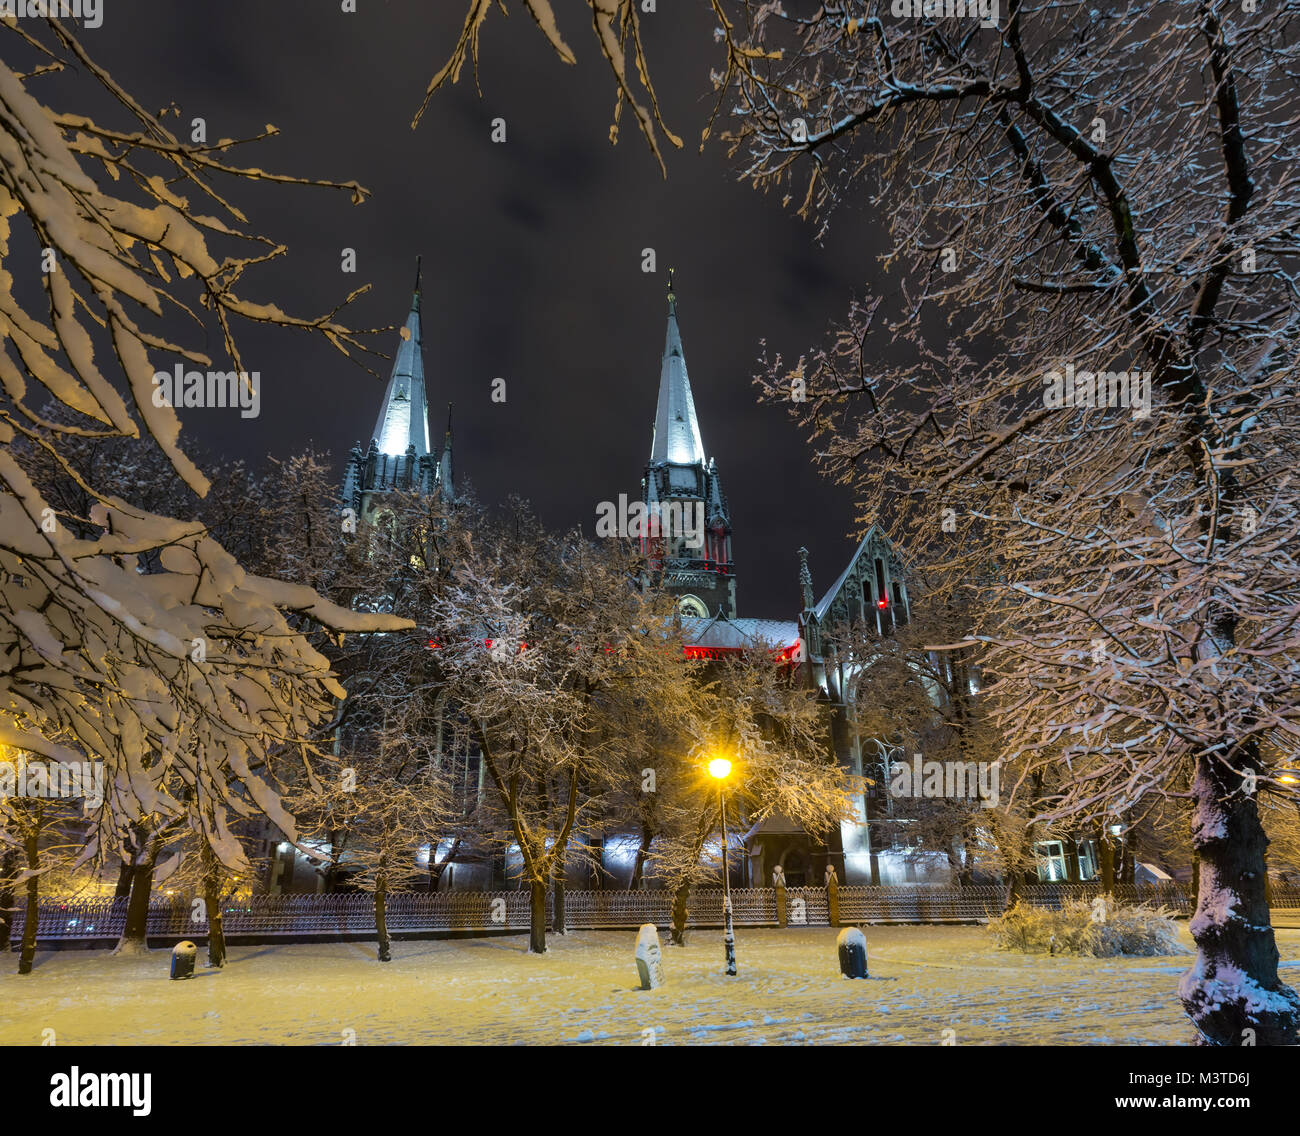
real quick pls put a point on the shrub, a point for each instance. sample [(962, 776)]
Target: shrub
[(1097, 928)]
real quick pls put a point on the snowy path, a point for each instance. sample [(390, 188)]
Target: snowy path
[(489, 991)]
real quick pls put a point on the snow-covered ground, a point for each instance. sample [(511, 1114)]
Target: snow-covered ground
[(925, 980)]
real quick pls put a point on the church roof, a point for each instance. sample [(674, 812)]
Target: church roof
[(722, 634), (404, 417), (873, 535), (775, 825), (677, 431)]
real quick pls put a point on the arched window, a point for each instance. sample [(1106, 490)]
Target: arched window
[(692, 607)]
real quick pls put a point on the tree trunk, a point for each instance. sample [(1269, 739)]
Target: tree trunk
[(135, 934), (1071, 849), (1232, 992), (1129, 876), (678, 934), (8, 870), (216, 928), (954, 862), (436, 869), (331, 873), (557, 905), (1106, 856), (32, 846), (123, 888), (1016, 888), (959, 861), (381, 918), (537, 917), (212, 881), (638, 865)]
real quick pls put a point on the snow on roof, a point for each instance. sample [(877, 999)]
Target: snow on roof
[(722, 633), (774, 825)]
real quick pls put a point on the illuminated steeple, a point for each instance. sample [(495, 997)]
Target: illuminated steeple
[(680, 481), (404, 417), (677, 430), (399, 457)]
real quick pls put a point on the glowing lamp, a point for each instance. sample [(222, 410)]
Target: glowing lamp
[(883, 603), (719, 767)]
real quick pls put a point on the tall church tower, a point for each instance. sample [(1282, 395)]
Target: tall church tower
[(692, 552), (399, 457)]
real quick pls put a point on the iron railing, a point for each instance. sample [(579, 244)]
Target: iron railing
[(340, 916)]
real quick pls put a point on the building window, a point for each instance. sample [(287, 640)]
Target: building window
[(692, 607), (1051, 861), (1087, 860)]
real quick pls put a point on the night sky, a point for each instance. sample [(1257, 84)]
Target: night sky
[(532, 252)]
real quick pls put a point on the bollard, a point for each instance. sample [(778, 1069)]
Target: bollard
[(183, 956), (778, 882), (852, 945), (649, 958), (833, 895)]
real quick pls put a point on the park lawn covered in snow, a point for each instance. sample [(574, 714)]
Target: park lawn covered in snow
[(925, 979)]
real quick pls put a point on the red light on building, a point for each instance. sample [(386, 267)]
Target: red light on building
[(882, 604)]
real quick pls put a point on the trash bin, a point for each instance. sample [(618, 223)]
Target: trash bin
[(853, 953), (183, 956)]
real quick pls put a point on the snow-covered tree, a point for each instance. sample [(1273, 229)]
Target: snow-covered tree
[(617, 27), (546, 648), (1099, 206), (372, 811), (1081, 195), (752, 711), (38, 834), (128, 636)]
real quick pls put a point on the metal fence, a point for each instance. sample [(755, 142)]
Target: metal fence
[(340, 916)]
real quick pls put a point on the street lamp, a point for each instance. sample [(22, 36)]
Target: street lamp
[(719, 770)]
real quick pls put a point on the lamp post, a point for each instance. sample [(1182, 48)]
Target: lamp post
[(720, 769)]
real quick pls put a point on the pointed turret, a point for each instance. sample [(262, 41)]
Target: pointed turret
[(692, 557), (446, 476), (677, 430), (404, 417), (399, 457), (805, 580)]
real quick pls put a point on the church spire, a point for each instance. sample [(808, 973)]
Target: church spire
[(445, 473), (691, 559), (677, 431), (404, 417)]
